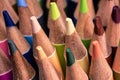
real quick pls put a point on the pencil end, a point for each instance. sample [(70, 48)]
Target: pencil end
[(69, 27), (96, 50), (53, 0), (8, 21), (35, 25), (98, 29), (83, 6), (41, 53), (70, 57), (54, 11), (21, 3), (116, 14), (12, 47)]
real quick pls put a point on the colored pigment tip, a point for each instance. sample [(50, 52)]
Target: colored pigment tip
[(12, 47), (116, 14), (53, 1), (21, 3), (70, 57), (83, 6), (8, 21), (54, 11), (98, 29)]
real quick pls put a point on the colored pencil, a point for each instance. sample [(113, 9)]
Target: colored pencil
[(85, 25), (74, 71), (3, 38), (17, 37), (100, 36), (116, 65), (99, 68), (73, 41), (40, 39), (46, 69), (5, 67), (5, 5), (22, 69), (24, 20)]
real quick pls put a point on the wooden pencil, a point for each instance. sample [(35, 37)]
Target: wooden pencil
[(22, 69), (99, 68), (116, 65), (74, 71), (40, 39), (85, 25), (3, 38), (12, 2), (37, 11), (24, 20), (105, 10), (100, 36), (57, 31), (113, 31), (17, 37), (5, 5), (6, 72), (46, 69), (73, 41)]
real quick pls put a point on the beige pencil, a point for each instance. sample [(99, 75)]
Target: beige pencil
[(40, 39), (73, 41)]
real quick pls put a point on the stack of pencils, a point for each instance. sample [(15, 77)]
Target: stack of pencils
[(59, 40)]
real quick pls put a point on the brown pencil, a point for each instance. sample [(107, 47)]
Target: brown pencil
[(22, 69), (74, 71), (40, 39), (116, 65), (73, 41), (5, 67), (46, 69), (99, 68), (100, 36), (105, 10)]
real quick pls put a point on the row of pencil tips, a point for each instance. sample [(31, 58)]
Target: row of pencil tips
[(59, 40)]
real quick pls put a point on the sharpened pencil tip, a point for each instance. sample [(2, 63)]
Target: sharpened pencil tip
[(8, 21), (54, 11), (83, 6), (21, 3), (12, 47), (70, 57)]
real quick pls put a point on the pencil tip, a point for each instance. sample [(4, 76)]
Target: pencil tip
[(35, 25), (54, 11), (70, 57), (96, 50), (69, 27), (8, 21), (21, 3), (98, 29), (116, 14), (83, 6), (12, 47)]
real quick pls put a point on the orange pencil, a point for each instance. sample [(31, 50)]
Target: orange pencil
[(99, 68), (40, 39), (46, 69)]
